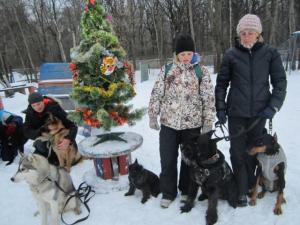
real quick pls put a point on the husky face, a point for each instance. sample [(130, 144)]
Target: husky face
[(27, 169)]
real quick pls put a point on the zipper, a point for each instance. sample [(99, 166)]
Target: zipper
[(251, 82)]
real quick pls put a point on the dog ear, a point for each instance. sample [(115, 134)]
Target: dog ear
[(275, 137), (30, 157), (136, 161)]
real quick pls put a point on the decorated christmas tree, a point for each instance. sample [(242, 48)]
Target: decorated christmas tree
[(102, 80)]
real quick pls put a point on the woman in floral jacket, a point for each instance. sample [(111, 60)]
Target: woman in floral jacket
[(184, 102)]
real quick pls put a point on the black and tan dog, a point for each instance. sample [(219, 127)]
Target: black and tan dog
[(271, 170), (55, 132), (142, 179), (210, 171)]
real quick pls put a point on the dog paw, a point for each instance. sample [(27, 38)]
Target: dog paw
[(77, 211), (211, 218), (128, 194), (186, 208), (252, 202), (277, 211), (261, 195), (202, 197), (144, 200)]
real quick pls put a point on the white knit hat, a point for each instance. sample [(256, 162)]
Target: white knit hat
[(251, 22)]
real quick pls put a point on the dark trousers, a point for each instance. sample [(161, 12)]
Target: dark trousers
[(243, 164), (169, 141)]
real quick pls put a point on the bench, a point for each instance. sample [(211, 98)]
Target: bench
[(19, 88)]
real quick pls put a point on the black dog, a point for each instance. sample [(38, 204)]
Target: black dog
[(144, 180), (271, 170), (210, 171)]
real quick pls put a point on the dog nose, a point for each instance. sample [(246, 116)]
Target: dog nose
[(12, 179)]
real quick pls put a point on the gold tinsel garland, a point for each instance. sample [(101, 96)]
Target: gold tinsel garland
[(109, 92)]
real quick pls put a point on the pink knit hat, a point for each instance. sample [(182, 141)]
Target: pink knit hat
[(251, 22)]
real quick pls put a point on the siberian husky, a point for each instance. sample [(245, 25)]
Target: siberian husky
[(46, 183)]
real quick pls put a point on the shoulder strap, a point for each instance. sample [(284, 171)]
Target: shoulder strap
[(167, 69), (198, 71)]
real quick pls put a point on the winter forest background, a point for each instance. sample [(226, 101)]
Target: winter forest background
[(38, 31)]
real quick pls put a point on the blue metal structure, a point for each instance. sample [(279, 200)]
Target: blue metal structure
[(56, 80)]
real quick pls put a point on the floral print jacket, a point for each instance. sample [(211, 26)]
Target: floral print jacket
[(179, 101)]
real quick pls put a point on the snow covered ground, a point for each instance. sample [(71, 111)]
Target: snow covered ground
[(17, 205)]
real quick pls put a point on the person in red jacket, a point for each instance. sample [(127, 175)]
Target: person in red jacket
[(37, 113)]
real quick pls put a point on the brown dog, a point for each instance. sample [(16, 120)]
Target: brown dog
[(56, 132), (271, 170)]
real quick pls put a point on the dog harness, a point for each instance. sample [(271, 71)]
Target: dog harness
[(215, 166), (268, 164)]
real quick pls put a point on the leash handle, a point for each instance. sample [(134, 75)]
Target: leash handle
[(218, 124), (241, 132)]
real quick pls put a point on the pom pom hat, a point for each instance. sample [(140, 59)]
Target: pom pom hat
[(249, 22)]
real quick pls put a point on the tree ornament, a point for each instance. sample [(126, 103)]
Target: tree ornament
[(109, 18), (86, 8), (72, 66), (108, 65)]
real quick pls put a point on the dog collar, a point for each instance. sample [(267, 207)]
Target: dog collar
[(211, 160)]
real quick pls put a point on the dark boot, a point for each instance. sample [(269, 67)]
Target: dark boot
[(242, 201)]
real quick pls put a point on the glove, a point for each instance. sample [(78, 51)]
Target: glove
[(267, 113), (10, 129), (221, 115), (153, 124)]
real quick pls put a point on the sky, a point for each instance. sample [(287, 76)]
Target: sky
[(110, 207)]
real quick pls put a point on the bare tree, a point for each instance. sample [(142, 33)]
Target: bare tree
[(28, 52), (191, 19), (274, 19), (153, 7)]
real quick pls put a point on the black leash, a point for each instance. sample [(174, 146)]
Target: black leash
[(83, 191), (241, 132)]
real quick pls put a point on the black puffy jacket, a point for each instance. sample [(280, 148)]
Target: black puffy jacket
[(248, 72), (34, 120)]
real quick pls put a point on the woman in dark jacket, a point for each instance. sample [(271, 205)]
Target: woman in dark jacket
[(247, 68), (36, 115)]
